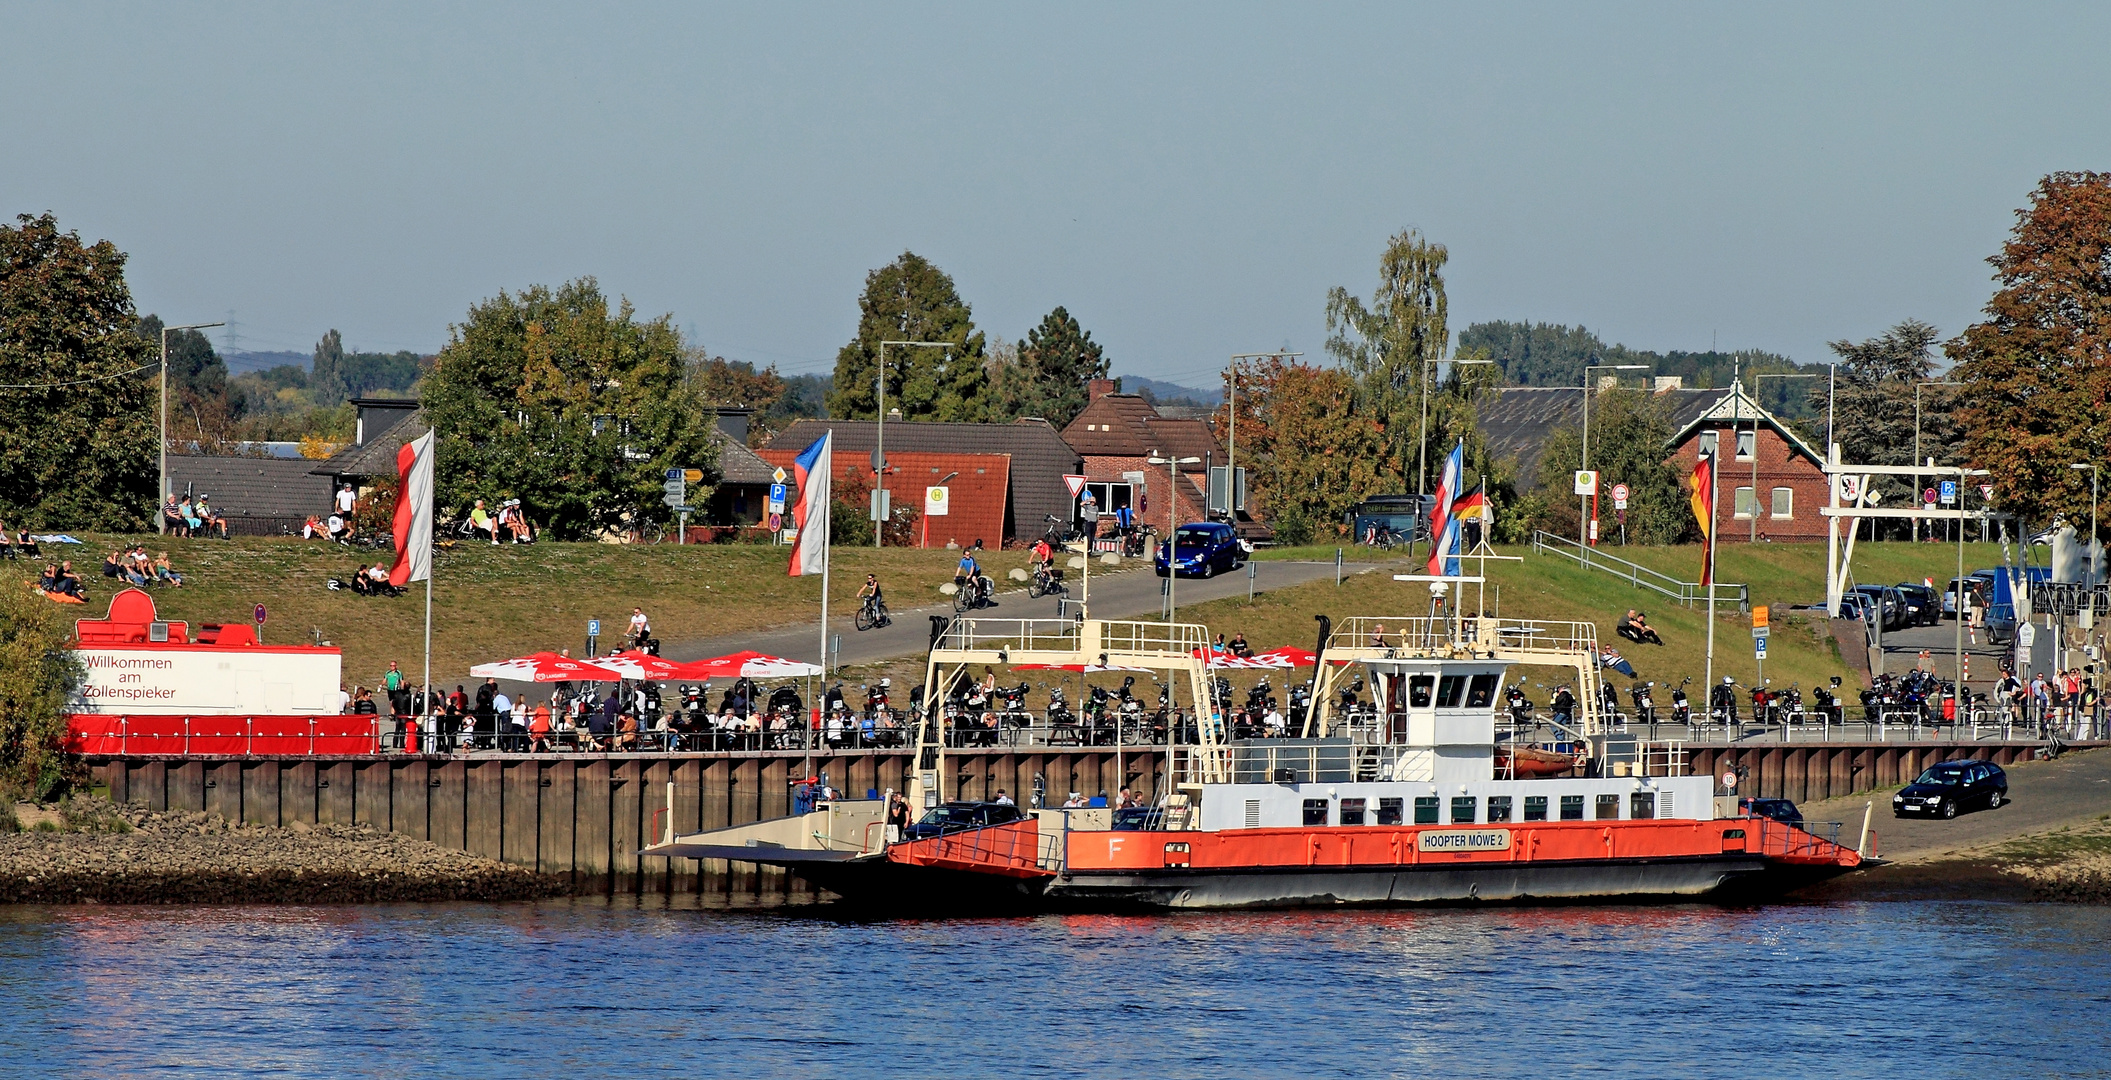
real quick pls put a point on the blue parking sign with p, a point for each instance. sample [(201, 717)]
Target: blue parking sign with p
[(1949, 491), (777, 493)]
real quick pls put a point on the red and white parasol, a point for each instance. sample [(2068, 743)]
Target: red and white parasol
[(748, 664), (650, 668), (1088, 669), (545, 667), (1289, 656)]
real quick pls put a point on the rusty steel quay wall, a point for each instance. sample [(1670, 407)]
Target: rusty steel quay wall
[(585, 816)]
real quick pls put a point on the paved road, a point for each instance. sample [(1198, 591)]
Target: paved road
[(1130, 594), (2071, 789)]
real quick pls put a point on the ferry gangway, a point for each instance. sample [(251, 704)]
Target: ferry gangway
[(1689, 593)]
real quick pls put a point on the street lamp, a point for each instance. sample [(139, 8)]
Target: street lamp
[(1916, 448), (1422, 447), (1583, 517), (1172, 516), (879, 438), (1753, 538), (162, 497)]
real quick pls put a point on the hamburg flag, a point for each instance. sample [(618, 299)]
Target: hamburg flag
[(413, 524), (810, 514), (1703, 502), (1443, 528)]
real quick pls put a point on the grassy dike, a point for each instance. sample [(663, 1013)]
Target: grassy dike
[(490, 603)]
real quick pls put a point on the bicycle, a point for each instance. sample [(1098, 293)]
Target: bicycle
[(1047, 583), (978, 593), (873, 613)]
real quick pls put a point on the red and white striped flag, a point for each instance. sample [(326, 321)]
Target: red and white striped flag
[(413, 512)]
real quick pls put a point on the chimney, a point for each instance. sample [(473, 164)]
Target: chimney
[(1099, 388), (733, 420), (1670, 382)]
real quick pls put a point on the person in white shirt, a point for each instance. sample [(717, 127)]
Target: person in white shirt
[(346, 500), (1075, 802), (640, 627), (1003, 799)]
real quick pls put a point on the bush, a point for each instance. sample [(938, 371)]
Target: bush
[(38, 672)]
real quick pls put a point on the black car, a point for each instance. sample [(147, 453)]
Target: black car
[(1780, 810), (961, 816), (1923, 604), (1889, 603), (1944, 790)]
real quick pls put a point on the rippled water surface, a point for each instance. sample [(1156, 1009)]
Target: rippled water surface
[(572, 989)]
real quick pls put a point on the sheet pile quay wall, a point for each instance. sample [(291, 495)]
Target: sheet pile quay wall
[(586, 816)]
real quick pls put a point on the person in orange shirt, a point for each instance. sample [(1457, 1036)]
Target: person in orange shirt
[(539, 730)]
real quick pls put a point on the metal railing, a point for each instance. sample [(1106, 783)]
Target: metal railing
[(1154, 638), (1637, 575), (1038, 635)]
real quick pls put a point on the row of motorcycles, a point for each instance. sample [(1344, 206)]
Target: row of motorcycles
[(1768, 705)]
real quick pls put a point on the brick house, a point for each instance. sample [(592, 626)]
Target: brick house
[(1010, 475), (1791, 482), (1115, 436)]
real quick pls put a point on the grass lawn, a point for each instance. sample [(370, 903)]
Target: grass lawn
[(490, 603)]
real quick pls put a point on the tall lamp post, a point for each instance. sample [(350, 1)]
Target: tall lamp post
[(1583, 516), (161, 497), (1422, 446), (879, 437), (1172, 524), (1757, 407), (1916, 449)]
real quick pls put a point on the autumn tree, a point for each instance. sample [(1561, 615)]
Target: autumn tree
[(1055, 362), (549, 397), (910, 299), (1390, 346), (1312, 450), (78, 417), (2037, 369), (203, 405)]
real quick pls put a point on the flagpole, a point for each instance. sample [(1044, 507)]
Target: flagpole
[(827, 510), (1714, 488)]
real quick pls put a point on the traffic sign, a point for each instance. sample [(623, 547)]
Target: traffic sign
[(676, 489), (777, 497), (1928, 496), (1949, 492), (1986, 491), (776, 520), (938, 501), (694, 476), (674, 475), (1586, 481), (1759, 648), (1076, 484), (1759, 616), (259, 613), (1619, 496), (779, 475), (593, 628)]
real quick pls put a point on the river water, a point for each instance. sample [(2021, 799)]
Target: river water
[(591, 988)]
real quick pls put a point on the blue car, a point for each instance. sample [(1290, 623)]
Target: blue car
[(1203, 549)]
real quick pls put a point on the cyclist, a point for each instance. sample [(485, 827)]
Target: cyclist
[(970, 572), (1043, 559), (870, 593)]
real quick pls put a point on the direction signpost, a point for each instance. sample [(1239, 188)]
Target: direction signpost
[(676, 494), (1759, 636)]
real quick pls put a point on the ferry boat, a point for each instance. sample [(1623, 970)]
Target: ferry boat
[(1411, 799)]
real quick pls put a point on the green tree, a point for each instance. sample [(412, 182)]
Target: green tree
[(326, 380), (2037, 369), (1545, 354), (1311, 450), (1630, 439), (203, 404), (1391, 346), (1872, 401), (548, 397), (38, 672), (910, 299), (1055, 362), (78, 418)]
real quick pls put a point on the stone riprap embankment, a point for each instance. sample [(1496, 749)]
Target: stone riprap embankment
[(133, 856)]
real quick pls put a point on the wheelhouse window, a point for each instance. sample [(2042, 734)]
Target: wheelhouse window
[(1535, 808), (1418, 690), (1449, 690), (1609, 806), (1481, 694), (1315, 811), (1499, 808), (1425, 809), (1642, 805), (1464, 808), (1389, 811), (1352, 812), (1572, 808)]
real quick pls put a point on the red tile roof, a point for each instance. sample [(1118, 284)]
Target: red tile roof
[(977, 496), (1125, 425)]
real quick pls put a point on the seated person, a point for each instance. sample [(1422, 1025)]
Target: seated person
[(26, 546), (188, 511), (627, 731), (164, 572), (7, 542), (172, 517), (137, 568), (114, 566), (213, 520), (70, 582), (480, 521), (339, 528), (1239, 647), (1634, 627), (49, 579), (513, 522), (312, 528)]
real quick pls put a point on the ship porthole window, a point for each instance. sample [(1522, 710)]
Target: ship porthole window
[(1609, 806), (1389, 811), (1352, 812), (1572, 808), (1498, 808), (1425, 809), (1315, 811), (1464, 808), (1535, 808)]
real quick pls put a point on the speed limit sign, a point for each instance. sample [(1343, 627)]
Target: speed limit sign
[(1619, 496)]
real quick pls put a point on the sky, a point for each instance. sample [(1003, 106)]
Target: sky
[(1188, 180)]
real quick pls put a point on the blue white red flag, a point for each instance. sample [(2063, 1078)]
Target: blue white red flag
[(1443, 528), (810, 514)]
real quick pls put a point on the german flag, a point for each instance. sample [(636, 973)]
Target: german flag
[(1703, 502), (1472, 506)]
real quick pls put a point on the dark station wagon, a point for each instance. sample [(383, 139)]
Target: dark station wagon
[(1950, 788), (961, 816)]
